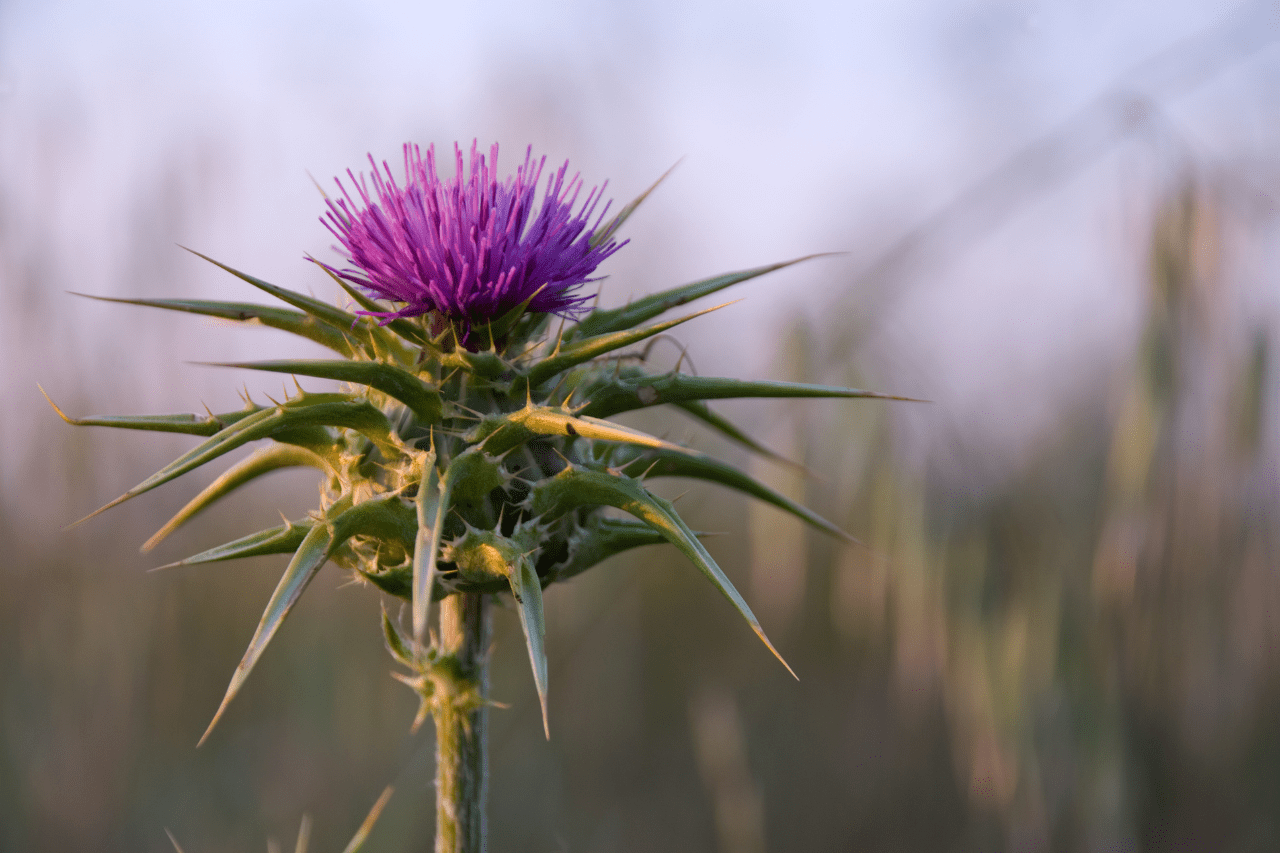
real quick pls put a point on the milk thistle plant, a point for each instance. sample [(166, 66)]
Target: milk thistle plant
[(471, 456)]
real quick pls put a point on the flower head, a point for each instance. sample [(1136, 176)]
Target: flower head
[(470, 248)]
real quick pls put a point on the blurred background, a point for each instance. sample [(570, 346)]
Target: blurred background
[(1059, 225)]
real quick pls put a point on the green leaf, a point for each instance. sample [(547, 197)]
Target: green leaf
[(501, 434), (602, 538), (310, 410), (353, 327), (699, 410), (432, 505), (395, 643), (187, 424), (294, 322), (627, 392), (311, 555), (422, 399), (526, 589), (584, 349), (575, 486), (263, 461), (384, 516), (616, 319), (284, 539), (662, 463)]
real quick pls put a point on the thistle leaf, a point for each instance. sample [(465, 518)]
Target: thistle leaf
[(387, 518), (662, 463), (379, 517), (312, 410), (602, 538), (526, 589), (350, 325), (503, 433), (616, 319), (311, 555), (422, 399), (432, 505), (294, 322), (576, 486), (284, 539), (395, 643), (585, 349), (625, 393), (263, 461), (701, 411), (186, 424)]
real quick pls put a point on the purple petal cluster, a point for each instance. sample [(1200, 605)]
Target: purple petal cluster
[(470, 248)]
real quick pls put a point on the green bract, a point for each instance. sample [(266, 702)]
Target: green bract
[(449, 470)]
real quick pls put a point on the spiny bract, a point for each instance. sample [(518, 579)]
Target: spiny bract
[(479, 467)]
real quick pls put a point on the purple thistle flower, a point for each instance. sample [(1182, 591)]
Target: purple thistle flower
[(471, 248)]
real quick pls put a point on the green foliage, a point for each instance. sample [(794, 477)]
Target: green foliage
[(450, 470)]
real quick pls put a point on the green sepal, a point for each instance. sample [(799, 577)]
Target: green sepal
[(601, 538), (294, 322), (284, 539), (499, 328), (616, 319), (661, 463), (422, 399), (576, 486), (309, 410), (263, 461), (187, 424), (584, 349), (630, 390), (486, 364), (504, 432)]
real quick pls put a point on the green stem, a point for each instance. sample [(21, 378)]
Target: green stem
[(462, 719)]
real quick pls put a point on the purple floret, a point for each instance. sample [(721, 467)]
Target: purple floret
[(470, 248)]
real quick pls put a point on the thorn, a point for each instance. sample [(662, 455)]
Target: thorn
[(760, 633), (61, 414), (678, 497), (652, 465), (559, 338), (176, 846), (319, 188)]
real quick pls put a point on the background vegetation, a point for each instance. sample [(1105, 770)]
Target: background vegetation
[(1062, 633)]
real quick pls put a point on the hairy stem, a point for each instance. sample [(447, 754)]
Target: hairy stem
[(462, 718)]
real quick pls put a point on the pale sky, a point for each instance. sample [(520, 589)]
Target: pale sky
[(129, 127)]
